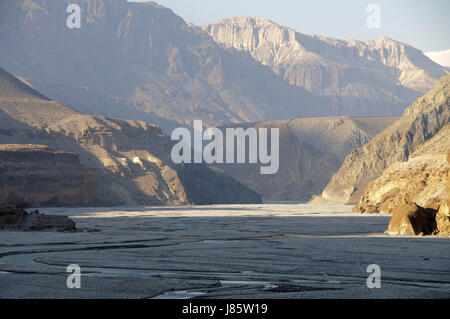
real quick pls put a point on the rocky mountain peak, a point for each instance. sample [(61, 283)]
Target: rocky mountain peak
[(332, 67)]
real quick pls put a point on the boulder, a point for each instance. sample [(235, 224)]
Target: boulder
[(443, 219), (443, 215), (447, 185), (433, 203), (41, 222), (20, 219), (10, 217), (409, 219)]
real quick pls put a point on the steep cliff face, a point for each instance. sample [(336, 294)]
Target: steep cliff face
[(432, 188), (365, 78), (443, 215), (419, 123), (141, 61), (131, 158), (311, 151), (420, 180), (35, 175)]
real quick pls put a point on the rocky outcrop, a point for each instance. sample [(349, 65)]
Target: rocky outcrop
[(420, 180), (10, 217), (41, 222), (410, 220), (443, 215), (311, 151), (35, 175), (420, 122), (131, 158), (20, 219), (443, 218), (379, 77)]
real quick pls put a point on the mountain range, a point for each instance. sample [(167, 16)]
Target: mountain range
[(363, 78), (141, 61)]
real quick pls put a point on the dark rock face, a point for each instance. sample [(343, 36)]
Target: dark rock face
[(35, 175), (207, 186), (10, 217), (19, 219), (40, 222), (410, 220)]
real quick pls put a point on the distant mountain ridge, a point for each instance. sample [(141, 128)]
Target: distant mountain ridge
[(140, 61), (381, 76), (311, 151)]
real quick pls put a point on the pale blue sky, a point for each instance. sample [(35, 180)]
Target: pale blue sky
[(424, 24)]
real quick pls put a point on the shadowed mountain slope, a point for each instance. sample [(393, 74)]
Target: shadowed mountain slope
[(311, 151), (131, 158)]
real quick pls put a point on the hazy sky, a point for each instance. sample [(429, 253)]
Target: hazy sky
[(424, 24)]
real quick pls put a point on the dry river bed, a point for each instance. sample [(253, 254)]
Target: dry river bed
[(223, 251)]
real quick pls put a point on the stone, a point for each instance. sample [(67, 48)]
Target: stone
[(41, 222), (443, 215), (434, 203), (443, 219), (20, 219), (10, 217), (410, 219)]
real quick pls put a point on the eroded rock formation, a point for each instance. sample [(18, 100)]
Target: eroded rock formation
[(420, 123), (20, 219), (131, 158), (419, 180), (409, 219), (379, 77), (35, 175), (443, 215)]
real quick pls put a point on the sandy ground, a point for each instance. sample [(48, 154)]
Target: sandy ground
[(224, 251)]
